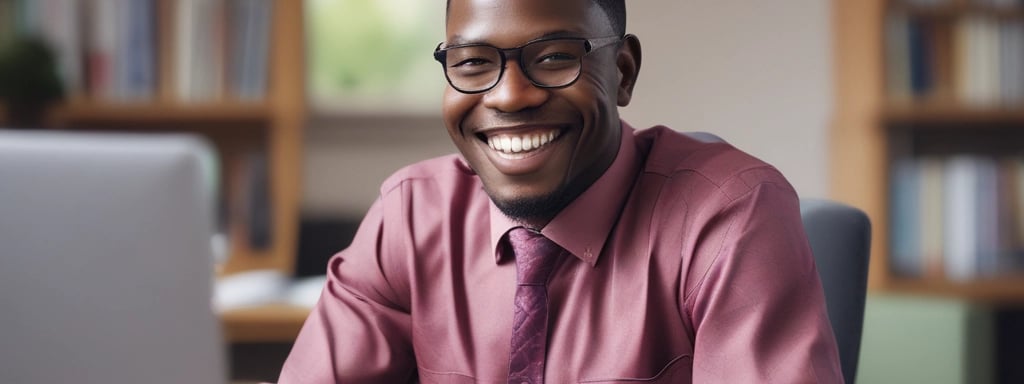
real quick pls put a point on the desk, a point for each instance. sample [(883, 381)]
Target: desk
[(266, 323)]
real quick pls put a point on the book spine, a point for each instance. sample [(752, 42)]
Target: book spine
[(961, 224), (184, 41), (102, 48), (906, 250), (931, 215), (897, 57), (920, 58), (250, 47), (139, 75)]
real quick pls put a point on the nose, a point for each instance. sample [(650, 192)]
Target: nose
[(514, 91)]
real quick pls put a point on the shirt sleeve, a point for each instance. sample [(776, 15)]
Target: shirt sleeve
[(359, 331), (758, 313)]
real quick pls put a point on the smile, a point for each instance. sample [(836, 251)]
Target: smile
[(520, 146)]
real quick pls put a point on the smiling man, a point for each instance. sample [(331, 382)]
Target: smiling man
[(563, 245)]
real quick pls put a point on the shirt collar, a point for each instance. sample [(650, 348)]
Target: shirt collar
[(583, 226)]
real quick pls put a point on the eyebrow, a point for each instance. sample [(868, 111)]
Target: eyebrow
[(460, 40)]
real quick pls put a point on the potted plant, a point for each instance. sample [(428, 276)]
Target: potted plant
[(29, 81)]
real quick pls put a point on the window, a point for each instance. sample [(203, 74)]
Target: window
[(374, 56)]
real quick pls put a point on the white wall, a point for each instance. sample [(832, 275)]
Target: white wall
[(348, 158), (756, 73)]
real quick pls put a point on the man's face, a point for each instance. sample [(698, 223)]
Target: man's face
[(533, 185)]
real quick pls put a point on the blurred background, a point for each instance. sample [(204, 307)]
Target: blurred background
[(908, 109)]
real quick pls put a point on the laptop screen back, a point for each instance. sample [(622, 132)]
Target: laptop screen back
[(105, 260)]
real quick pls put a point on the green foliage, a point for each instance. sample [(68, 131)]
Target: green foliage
[(28, 73), (372, 47)]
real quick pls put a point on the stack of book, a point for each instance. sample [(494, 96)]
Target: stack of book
[(976, 59), (959, 217), (116, 50)]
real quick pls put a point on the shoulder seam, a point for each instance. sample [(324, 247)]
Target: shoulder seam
[(718, 253)]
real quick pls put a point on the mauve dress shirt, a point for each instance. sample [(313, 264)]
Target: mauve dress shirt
[(689, 264)]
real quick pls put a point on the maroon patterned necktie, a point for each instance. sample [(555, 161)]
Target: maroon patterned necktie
[(535, 258)]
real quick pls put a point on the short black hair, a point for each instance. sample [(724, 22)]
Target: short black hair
[(616, 12), (614, 9)]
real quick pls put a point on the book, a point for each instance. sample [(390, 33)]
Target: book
[(920, 45), (1011, 203), (184, 48), (258, 202), (903, 209), (1011, 55), (989, 57), (961, 219), (942, 61), (137, 51), (931, 213), (897, 54), (250, 43), (988, 248)]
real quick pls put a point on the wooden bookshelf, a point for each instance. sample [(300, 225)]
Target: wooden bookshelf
[(272, 125), (871, 129), (269, 124)]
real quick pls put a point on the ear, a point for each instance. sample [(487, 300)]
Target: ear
[(628, 62)]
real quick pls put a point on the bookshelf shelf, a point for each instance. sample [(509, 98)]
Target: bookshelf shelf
[(161, 112), (925, 85), (1007, 290), (950, 113)]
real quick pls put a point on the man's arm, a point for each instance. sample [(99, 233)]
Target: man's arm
[(759, 311), (359, 331)]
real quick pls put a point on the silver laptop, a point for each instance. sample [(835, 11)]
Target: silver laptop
[(105, 260)]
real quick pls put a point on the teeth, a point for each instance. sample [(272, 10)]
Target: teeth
[(521, 143)]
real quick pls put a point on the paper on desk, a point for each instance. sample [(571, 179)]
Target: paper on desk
[(262, 287)]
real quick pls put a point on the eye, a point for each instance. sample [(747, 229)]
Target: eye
[(472, 62), (555, 61), (471, 66), (556, 57)]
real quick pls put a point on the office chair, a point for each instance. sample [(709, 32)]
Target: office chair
[(840, 237)]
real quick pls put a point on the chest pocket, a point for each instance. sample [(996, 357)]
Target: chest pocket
[(678, 370)]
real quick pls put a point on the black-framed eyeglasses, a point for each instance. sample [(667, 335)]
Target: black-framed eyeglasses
[(554, 62)]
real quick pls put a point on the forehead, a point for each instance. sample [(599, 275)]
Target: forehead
[(511, 22)]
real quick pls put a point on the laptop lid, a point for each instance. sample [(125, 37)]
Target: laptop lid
[(105, 260)]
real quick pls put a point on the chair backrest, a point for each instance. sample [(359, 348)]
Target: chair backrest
[(840, 237)]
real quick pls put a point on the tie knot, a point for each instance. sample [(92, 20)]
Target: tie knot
[(535, 255)]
